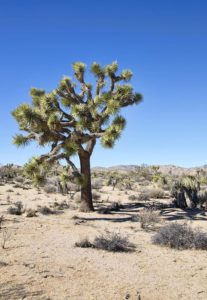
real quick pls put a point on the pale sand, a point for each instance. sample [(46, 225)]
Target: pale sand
[(44, 264)]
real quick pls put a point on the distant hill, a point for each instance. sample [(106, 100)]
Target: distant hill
[(176, 170)]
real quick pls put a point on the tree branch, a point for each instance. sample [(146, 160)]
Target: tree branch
[(52, 154), (90, 146)]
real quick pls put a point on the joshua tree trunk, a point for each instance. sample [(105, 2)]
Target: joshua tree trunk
[(192, 195), (86, 193), (180, 200)]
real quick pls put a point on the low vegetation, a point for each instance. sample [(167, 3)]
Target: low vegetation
[(30, 213), (109, 241), (148, 217), (180, 236), (17, 209)]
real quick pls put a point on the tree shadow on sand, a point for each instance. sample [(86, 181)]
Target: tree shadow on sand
[(173, 214), (126, 212)]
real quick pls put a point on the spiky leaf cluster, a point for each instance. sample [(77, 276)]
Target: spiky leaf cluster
[(75, 114)]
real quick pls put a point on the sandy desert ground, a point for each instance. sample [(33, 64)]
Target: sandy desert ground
[(40, 260)]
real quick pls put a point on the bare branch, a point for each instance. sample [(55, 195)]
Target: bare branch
[(90, 146), (72, 165), (52, 154)]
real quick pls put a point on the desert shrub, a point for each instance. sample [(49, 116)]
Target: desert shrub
[(121, 186), (19, 179), (202, 197), (166, 187), (109, 241), (143, 182), (200, 240), (113, 241), (148, 217), (156, 193), (180, 236), (50, 188), (143, 196), (61, 206), (84, 243), (17, 209), (77, 198), (9, 191), (73, 187), (132, 197), (45, 210), (17, 185), (97, 183), (31, 213), (96, 196), (28, 181)]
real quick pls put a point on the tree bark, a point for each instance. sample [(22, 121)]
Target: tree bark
[(192, 195), (180, 200), (86, 193)]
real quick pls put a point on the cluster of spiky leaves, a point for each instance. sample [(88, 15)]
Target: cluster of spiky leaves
[(72, 116), (190, 182), (37, 172), (187, 183)]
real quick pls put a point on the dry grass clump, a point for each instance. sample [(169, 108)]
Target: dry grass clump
[(61, 205), (132, 197), (96, 196), (31, 213), (109, 241), (113, 241), (19, 179), (18, 209), (97, 184), (143, 195), (50, 189), (202, 197), (180, 237), (156, 193), (72, 187), (148, 217), (84, 243), (17, 185)]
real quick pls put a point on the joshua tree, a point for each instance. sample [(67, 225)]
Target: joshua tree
[(72, 117), (188, 186)]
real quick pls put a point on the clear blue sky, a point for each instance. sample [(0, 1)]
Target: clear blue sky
[(164, 43)]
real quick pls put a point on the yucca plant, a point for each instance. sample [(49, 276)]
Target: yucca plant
[(187, 185), (71, 118)]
